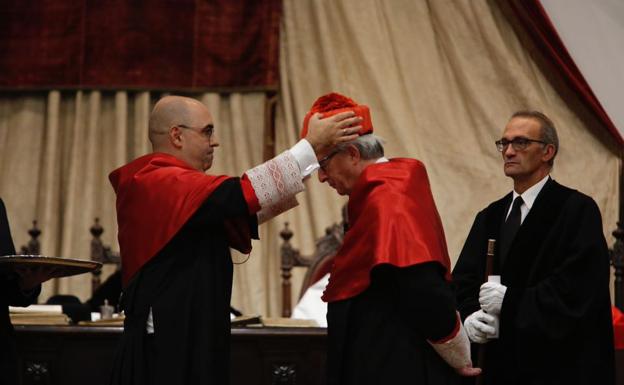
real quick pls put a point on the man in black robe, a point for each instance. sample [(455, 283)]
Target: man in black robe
[(15, 290), (552, 302), (391, 314), (176, 227)]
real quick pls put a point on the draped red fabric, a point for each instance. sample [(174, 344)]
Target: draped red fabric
[(139, 44), (618, 328), (535, 20), (393, 220)]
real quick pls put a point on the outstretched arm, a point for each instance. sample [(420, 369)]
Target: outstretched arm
[(270, 188)]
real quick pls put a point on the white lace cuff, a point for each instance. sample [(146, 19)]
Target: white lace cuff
[(276, 182), (456, 351)]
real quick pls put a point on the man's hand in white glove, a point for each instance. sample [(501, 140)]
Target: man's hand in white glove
[(479, 326), (491, 297)]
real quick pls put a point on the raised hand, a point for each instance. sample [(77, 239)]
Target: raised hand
[(324, 134)]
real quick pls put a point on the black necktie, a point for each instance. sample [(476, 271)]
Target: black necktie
[(510, 228)]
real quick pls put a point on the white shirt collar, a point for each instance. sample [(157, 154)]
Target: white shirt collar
[(528, 198), (383, 159), (530, 194)]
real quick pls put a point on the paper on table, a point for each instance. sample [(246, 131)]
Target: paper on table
[(40, 309)]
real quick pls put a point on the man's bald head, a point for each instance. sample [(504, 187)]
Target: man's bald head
[(171, 111), (183, 127)]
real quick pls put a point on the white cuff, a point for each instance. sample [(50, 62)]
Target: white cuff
[(305, 157), (276, 182), (456, 351)]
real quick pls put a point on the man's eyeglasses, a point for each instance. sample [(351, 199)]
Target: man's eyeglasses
[(323, 162), (205, 131), (518, 144)]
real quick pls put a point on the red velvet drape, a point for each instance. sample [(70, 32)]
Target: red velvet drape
[(139, 43), (536, 22)]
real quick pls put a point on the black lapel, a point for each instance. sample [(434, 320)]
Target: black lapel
[(494, 218), (525, 248)]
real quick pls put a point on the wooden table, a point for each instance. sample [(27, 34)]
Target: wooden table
[(68, 355)]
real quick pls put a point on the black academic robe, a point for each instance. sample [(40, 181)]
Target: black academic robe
[(188, 286), (380, 335), (555, 322), (10, 294)]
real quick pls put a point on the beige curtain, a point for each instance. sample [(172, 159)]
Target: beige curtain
[(441, 77), (57, 149)]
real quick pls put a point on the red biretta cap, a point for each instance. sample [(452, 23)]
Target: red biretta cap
[(334, 103)]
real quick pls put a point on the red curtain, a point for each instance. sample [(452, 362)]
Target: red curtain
[(139, 44), (536, 22)]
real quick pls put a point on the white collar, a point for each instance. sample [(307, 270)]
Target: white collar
[(531, 193), (383, 159)]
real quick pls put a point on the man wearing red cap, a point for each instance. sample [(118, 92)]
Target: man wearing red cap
[(176, 227), (391, 312)]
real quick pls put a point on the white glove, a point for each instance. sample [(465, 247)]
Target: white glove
[(491, 297), (479, 326)]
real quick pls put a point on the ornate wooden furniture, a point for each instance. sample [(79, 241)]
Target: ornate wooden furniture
[(100, 253), (33, 247), (78, 355), (319, 263)]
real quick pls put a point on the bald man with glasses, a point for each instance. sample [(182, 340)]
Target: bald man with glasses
[(546, 317), (177, 224)]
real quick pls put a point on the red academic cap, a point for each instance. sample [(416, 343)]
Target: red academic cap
[(334, 103)]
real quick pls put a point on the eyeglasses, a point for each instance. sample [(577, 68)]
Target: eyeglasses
[(518, 144), (323, 162), (205, 131)]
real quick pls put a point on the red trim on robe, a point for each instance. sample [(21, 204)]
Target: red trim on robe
[(393, 220), (250, 195), (618, 328), (156, 195)]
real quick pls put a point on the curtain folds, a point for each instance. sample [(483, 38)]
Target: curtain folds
[(535, 20), (134, 44), (57, 149)]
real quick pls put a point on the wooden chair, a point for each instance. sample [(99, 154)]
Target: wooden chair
[(319, 263), (33, 247), (100, 253)]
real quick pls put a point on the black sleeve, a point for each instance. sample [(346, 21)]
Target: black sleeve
[(469, 271), (109, 290), (427, 298), (226, 202), (556, 304), (6, 242), (9, 289)]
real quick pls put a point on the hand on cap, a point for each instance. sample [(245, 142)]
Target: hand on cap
[(325, 134)]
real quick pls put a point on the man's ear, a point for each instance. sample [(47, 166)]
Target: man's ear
[(175, 136), (354, 153), (549, 152)]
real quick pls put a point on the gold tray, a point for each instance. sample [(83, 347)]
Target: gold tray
[(62, 267)]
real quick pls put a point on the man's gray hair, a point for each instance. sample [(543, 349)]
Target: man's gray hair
[(547, 128), (369, 145)]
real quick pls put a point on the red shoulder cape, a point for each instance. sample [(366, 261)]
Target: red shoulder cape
[(393, 220), (156, 195)]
